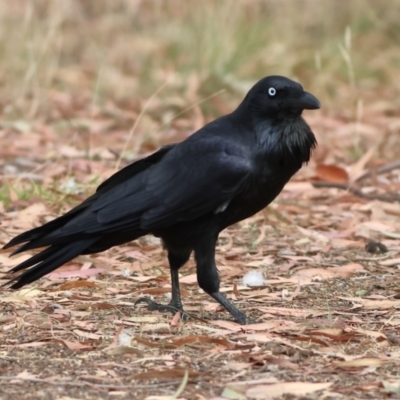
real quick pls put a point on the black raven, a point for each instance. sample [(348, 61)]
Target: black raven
[(187, 193)]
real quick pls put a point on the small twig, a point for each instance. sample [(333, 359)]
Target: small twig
[(181, 387), (115, 153), (357, 192), (385, 257), (136, 123), (381, 170)]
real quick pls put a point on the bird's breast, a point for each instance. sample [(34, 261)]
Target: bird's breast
[(255, 195)]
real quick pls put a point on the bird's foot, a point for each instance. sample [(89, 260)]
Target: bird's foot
[(172, 307), (242, 319), (239, 316)]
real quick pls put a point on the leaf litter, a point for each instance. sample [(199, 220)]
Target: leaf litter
[(313, 334), (307, 266)]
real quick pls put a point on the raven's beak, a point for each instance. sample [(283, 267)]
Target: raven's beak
[(308, 102)]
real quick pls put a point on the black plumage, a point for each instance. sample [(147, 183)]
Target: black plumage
[(187, 193)]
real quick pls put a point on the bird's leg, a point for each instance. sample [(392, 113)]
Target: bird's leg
[(176, 261), (208, 278)]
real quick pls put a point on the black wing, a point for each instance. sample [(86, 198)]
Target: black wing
[(192, 180)]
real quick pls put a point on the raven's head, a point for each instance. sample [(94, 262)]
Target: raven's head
[(278, 97)]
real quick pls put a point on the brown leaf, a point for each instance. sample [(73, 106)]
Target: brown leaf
[(360, 363), (331, 173), (29, 216), (279, 389), (75, 284), (75, 345), (175, 321), (79, 273), (29, 292), (87, 335), (159, 327), (344, 271), (373, 304), (237, 366)]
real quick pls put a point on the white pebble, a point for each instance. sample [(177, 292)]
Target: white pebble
[(253, 278), (125, 338), (126, 273)]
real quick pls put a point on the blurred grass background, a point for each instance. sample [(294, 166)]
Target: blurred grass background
[(76, 65), (128, 49)]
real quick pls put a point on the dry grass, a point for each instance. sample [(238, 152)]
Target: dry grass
[(101, 52), (127, 49)]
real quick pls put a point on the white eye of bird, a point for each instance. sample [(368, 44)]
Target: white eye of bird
[(272, 91)]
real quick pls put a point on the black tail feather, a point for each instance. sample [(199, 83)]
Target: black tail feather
[(24, 247), (36, 258), (47, 261), (34, 234), (33, 243), (25, 237)]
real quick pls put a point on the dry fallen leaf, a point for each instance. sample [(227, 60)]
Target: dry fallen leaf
[(274, 390), (331, 173), (344, 271), (374, 304), (75, 284), (28, 292), (360, 363)]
